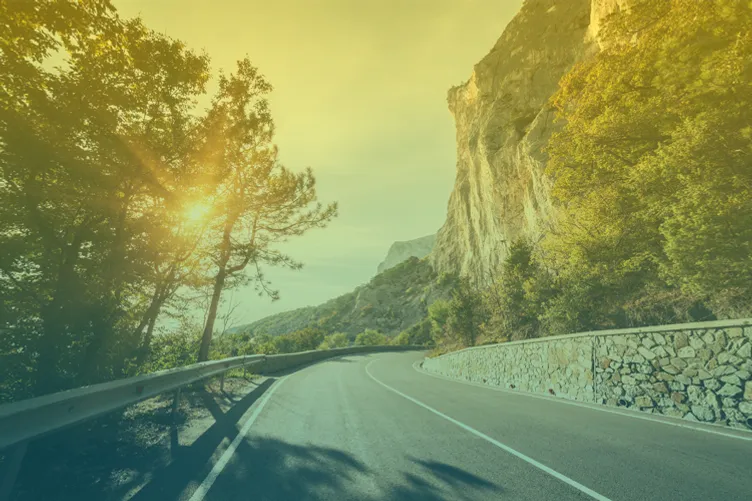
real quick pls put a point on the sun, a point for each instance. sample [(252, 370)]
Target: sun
[(196, 212)]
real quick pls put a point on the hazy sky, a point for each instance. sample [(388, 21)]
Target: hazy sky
[(359, 96)]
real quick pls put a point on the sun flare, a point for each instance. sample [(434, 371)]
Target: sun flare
[(196, 212)]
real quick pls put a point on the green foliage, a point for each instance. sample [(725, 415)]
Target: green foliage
[(653, 169), (466, 314), (518, 296), (121, 198), (336, 340), (370, 337), (258, 202), (174, 349), (420, 334), (438, 317)]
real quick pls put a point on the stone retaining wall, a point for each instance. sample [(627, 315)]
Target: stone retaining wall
[(699, 371)]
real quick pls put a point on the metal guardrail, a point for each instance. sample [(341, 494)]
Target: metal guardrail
[(26, 420), (36, 417)]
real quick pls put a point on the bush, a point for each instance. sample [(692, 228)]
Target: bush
[(336, 340), (419, 334), (370, 337)]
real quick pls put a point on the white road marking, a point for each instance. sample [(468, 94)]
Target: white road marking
[(202, 489), (529, 460), (594, 407)]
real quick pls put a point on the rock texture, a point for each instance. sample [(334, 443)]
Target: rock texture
[(401, 251), (696, 373), (562, 366), (504, 121)]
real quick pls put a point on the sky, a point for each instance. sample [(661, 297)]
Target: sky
[(360, 97)]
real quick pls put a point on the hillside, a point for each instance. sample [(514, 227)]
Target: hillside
[(391, 302)]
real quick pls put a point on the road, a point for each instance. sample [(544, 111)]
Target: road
[(371, 428)]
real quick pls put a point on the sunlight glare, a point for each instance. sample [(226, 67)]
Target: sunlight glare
[(196, 212)]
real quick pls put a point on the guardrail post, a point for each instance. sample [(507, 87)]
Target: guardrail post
[(13, 466), (175, 405), (222, 382)]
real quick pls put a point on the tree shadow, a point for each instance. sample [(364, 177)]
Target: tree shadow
[(190, 462), (107, 458), (269, 469), (262, 468), (454, 476)]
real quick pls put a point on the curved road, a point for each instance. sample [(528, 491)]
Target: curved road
[(374, 427)]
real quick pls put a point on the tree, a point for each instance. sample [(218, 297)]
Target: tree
[(518, 296), (370, 337), (336, 340), (91, 153), (419, 334), (653, 168), (259, 202), (466, 313)]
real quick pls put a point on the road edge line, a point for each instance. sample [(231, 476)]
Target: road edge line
[(506, 448), (203, 489)]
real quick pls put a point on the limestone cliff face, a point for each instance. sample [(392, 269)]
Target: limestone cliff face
[(401, 251), (504, 121)]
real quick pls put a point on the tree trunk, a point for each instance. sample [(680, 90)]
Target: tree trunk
[(54, 318), (219, 283), (95, 355)]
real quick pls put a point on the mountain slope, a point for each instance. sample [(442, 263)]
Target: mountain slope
[(391, 302)]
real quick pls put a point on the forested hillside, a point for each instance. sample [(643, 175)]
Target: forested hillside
[(391, 302)]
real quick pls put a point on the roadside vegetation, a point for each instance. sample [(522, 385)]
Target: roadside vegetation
[(125, 202), (652, 184)]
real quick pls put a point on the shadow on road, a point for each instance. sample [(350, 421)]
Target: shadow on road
[(266, 469), (192, 462)]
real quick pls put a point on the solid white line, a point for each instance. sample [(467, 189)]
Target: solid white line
[(498, 444), (202, 489), (594, 407)]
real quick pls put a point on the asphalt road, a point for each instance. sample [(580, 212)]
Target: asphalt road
[(373, 428)]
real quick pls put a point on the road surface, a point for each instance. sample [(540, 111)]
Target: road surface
[(373, 427)]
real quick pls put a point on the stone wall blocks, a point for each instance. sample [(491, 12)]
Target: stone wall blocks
[(744, 351), (746, 408), (680, 340), (686, 352), (659, 338), (732, 379), (703, 413), (729, 390)]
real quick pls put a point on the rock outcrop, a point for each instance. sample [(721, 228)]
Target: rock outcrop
[(504, 121), (401, 251)]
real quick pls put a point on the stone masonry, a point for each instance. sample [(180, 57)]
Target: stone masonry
[(700, 372)]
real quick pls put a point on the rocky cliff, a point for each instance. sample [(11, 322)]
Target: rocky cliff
[(401, 251), (504, 121)]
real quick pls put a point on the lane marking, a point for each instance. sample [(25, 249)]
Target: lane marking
[(203, 489), (529, 460), (594, 407)]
